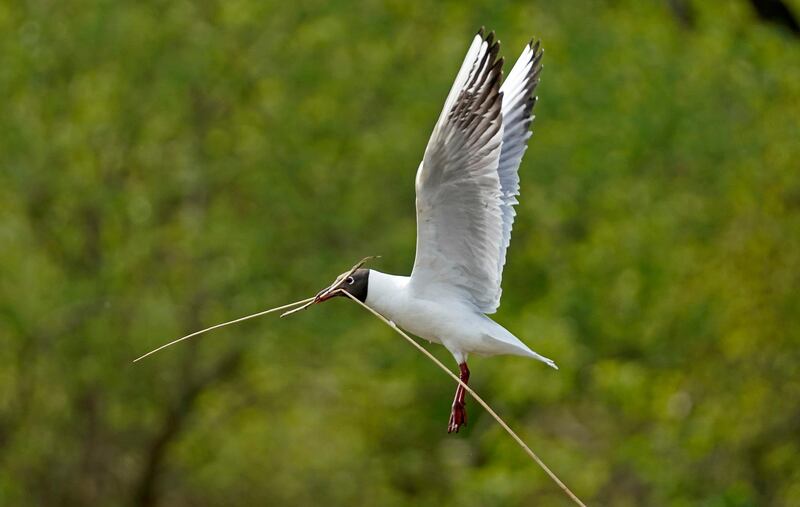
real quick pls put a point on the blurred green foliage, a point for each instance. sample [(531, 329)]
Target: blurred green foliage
[(169, 165)]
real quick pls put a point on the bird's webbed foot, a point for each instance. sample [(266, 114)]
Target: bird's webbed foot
[(458, 417), (458, 414)]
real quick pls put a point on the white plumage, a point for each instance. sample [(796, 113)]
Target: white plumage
[(447, 320), (467, 186)]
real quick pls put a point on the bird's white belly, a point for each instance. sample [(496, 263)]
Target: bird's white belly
[(443, 319), (445, 323), (427, 320)]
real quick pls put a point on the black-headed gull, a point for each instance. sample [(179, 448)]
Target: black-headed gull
[(466, 189)]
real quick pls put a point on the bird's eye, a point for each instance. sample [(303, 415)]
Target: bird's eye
[(350, 280)]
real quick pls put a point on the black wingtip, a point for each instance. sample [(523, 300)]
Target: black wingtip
[(494, 48), (536, 59), (481, 31)]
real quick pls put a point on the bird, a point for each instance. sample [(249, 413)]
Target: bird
[(466, 189)]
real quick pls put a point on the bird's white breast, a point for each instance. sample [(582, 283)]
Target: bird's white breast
[(441, 318), (438, 320)]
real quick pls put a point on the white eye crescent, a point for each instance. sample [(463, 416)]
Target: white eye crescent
[(350, 280)]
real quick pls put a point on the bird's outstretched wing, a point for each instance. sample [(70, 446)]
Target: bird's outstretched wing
[(467, 182), (518, 102)]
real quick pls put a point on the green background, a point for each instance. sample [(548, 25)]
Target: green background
[(168, 165)]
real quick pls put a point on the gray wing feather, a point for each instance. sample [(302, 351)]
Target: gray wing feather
[(467, 182), (518, 102)]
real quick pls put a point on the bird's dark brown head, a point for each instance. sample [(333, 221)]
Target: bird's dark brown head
[(355, 283)]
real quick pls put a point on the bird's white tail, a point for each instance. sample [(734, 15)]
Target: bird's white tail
[(513, 345)]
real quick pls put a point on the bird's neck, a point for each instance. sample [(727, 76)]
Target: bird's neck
[(387, 293)]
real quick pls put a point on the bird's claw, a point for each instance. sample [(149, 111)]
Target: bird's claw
[(458, 417)]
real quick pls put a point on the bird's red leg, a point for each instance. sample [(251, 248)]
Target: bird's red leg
[(458, 415)]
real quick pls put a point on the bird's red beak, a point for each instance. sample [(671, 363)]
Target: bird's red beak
[(325, 294), (333, 290), (336, 288)]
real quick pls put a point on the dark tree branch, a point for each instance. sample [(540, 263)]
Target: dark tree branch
[(777, 12), (146, 490), (683, 12)]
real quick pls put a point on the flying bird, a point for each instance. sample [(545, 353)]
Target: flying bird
[(466, 186)]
